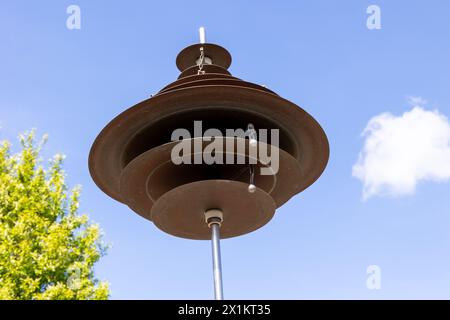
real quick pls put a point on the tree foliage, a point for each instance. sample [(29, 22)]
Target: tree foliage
[(47, 250)]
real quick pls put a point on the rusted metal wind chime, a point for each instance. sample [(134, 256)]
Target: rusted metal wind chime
[(132, 161)]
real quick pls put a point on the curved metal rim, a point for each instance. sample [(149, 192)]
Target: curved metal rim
[(196, 77), (219, 55), (207, 68), (286, 182), (218, 81), (264, 203), (105, 155)]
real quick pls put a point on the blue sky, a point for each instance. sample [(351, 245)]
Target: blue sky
[(318, 54)]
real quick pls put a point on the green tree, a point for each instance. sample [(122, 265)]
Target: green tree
[(47, 250)]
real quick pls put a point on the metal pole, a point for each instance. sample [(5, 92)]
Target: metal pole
[(217, 265)]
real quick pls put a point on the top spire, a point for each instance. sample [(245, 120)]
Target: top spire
[(201, 33)]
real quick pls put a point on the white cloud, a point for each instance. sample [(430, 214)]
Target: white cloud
[(401, 151), (416, 101)]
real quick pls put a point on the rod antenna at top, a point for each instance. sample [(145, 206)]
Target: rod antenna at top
[(201, 32)]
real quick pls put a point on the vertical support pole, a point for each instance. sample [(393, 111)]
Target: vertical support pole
[(217, 264), (214, 218)]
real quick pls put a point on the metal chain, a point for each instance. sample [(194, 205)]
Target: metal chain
[(202, 62), (252, 173)]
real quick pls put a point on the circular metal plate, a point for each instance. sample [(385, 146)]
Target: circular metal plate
[(243, 212), (194, 78), (310, 149), (199, 81), (153, 173), (207, 68), (189, 55)]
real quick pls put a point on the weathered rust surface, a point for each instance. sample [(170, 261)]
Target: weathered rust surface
[(151, 122), (130, 158), (189, 55), (180, 212), (150, 175)]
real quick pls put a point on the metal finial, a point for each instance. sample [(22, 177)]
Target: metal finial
[(201, 32)]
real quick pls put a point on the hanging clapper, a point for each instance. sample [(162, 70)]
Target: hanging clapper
[(253, 142)]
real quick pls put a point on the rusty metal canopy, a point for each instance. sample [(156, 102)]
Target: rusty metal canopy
[(152, 174), (242, 212), (130, 158), (188, 56)]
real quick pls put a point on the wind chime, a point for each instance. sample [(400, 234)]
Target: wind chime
[(132, 160)]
